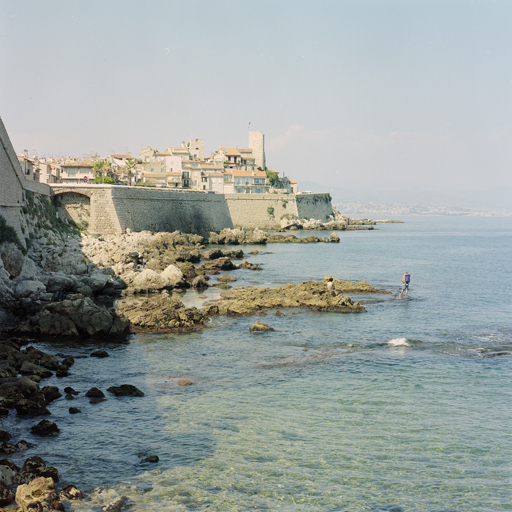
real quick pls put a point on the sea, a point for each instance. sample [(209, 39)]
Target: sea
[(407, 407)]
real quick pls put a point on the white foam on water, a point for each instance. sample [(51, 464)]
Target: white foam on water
[(399, 342)]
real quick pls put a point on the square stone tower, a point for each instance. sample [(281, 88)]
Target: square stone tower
[(257, 144), (196, 149)]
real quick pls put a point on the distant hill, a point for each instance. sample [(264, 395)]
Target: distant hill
[(485, 200)]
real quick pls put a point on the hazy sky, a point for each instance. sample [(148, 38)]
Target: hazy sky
[(378, 94)]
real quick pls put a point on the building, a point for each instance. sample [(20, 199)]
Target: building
[(245, 182)]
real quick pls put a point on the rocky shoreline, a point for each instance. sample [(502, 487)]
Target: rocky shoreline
[(85, 287)]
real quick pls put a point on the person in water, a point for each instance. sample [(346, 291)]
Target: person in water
[(405, 284)]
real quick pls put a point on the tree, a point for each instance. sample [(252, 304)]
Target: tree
[(272, 176), (130, 166), (102, 168)]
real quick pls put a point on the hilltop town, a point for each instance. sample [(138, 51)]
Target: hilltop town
[(227, 171)]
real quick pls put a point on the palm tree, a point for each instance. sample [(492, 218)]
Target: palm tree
[(102, 168), (129, 167)]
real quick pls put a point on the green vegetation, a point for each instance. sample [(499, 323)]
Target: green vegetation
[(107, 180), (272, 176), (102, 169), (8, 233), (270, 211), (129, 167)]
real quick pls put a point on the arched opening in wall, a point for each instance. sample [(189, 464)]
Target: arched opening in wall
[(75, 207)]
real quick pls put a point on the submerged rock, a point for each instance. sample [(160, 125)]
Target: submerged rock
[(261, 327), (125, 390)]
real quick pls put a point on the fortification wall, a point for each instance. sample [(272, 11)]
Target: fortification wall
[(314, 206), (262, 211), (13, 185)]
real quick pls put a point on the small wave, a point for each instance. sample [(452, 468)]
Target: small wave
[(399, 342)]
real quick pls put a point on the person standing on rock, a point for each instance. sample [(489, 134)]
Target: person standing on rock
[(330, 287), (406, 279)]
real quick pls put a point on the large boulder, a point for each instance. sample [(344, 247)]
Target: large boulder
[(173, 277), (30, 288), (38, 495), (77, 317), (12, 258)]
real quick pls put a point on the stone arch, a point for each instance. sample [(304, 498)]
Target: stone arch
[(73, 206)]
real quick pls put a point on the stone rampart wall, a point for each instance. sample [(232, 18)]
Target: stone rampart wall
[(262, 211), (13, 184), (168, 210), (314, 206)]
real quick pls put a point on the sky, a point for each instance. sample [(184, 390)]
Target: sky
[(361, 94)]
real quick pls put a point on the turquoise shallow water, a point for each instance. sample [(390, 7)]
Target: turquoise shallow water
[(325, 413)]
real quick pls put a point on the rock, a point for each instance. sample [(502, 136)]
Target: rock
[(260, 327), (33, 369), (50, 393), (254, 252), (280, 313), (26, 407), (45, 428), (250, 266), (12, 258), (67, 362), (79, 317), (38, 496), (309, 295), (173, 277), (334, 238), (95, 393), (185, 382), (117, 505), (7, 495), (200, 282), (22, 445), (152, 459), (4, 436), (218, 264), (97, 400), (223, 286), (165, 315), (100, 354), (15, 389), (30, 288), (49, 362), (7, 448), (70, 391), (8, 471), (71, 492), (74, 410), (35, 467), (226, 278), (125, 390)]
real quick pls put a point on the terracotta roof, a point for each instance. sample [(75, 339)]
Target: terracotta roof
[(122, 156), (230, 151), (293, 181), (78, 163)]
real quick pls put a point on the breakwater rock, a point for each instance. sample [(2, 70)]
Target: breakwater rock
[(309, 295)]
